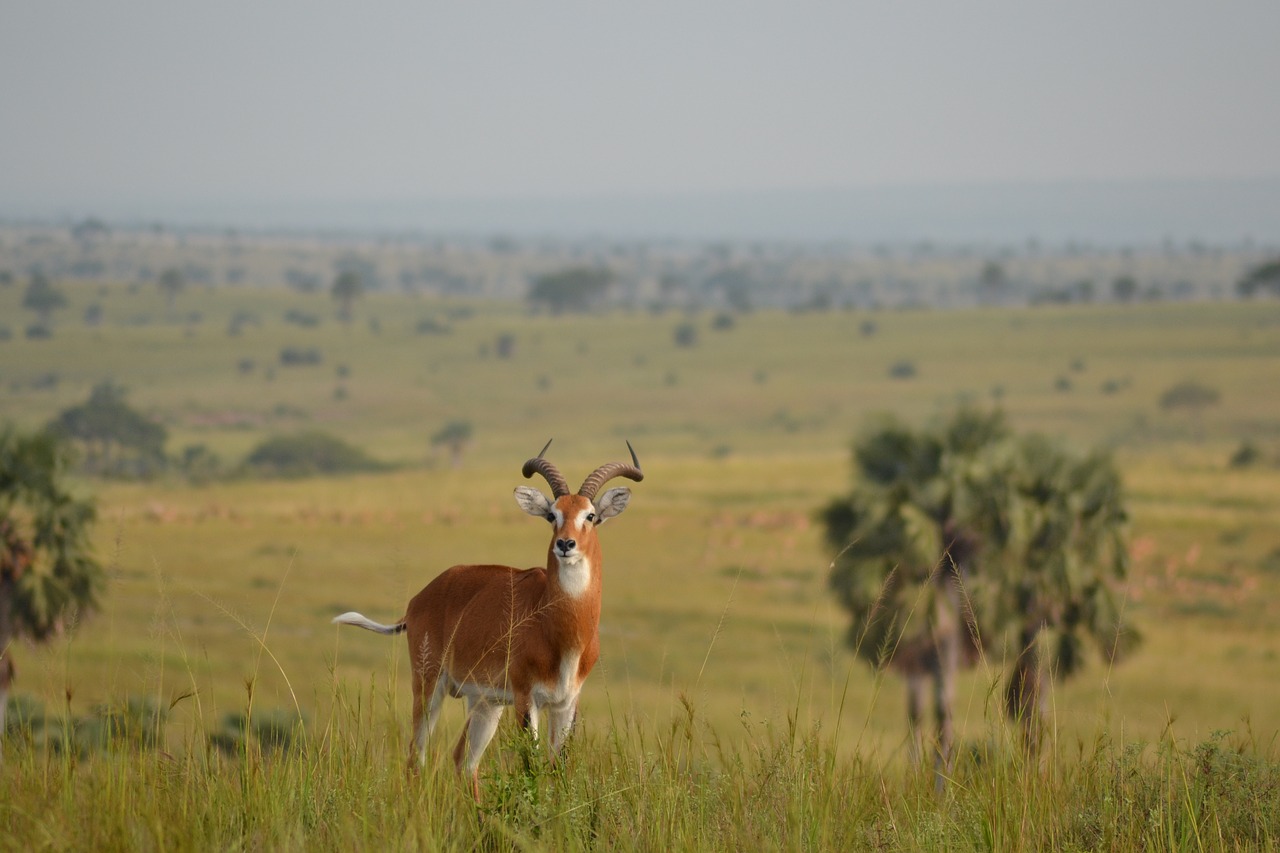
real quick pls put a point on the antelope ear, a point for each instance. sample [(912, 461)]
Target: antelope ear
[(533, 502), (612, 503)]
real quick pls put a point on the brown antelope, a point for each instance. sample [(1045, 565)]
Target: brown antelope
[(502, 636)]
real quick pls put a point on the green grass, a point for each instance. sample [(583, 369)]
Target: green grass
[(725, 711), (645, 787)]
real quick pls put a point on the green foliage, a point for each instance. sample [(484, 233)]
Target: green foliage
[(43, 298), (48, 575), (308, 454), (1263, 278), (1246, 455), (572, 289), (171, 283), (686, 335), (454, 435), (902, 369), (965, 521), (200, 464), (641, 789), (347, 287), (118, 440), (300, 356), (269, 732)]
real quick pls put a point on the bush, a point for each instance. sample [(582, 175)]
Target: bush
[(200, 464), (271, 731), (903, 369), (308, 454), (686, 335), (1188, 395), (301, 318), (1246, 456), (297, 356), (431, 326)]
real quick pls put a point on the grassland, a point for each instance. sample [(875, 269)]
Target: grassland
[(726, 711)]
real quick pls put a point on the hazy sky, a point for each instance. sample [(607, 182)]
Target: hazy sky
[(111, 101)]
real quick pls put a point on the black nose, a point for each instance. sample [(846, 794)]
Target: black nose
[(566, 545)]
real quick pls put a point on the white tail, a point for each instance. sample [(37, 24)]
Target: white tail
[(354, 618), (502, 636)]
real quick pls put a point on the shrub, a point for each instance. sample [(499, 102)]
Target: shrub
[(301, 318), (686, 335), (431, 326), (307, 454), (200, 464), (271, 731), (297, 356), (903, 369), (1246, 456), (1188, 395)]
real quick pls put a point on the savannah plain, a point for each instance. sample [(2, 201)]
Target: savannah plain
[(726, 711)]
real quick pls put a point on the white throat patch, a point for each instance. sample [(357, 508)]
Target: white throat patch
[(574, 574)]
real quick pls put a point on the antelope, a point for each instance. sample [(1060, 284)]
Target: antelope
[(499, 636)]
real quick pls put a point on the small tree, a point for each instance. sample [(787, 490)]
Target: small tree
[(1124, 288), (685, 335), (348, 286), (107, 425), (993, 282), (454, 435), (48, 575), (171, 283), (572, 289), (43, 298), (1264, 277), (1190, 397)]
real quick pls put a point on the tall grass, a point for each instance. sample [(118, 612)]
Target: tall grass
[(628, 785)]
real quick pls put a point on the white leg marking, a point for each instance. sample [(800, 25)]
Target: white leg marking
[(533, 720), (480, 730), (427, 724), (561, 722)]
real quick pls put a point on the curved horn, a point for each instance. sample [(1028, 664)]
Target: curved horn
[(559, 486), (608, 471)]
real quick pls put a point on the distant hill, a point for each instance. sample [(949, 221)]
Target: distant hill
[(1105, 213)]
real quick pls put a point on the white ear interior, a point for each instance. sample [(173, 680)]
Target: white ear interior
[(533, 501), (612, 502)]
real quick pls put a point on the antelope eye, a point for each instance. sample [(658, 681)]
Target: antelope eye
[(551, 517), (591, 516)]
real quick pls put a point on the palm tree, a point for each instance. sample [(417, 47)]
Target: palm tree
[(48, 575), (1054, 526), (904, 557), (966, 526)]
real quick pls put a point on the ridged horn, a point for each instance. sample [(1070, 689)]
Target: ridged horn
[(608, 471), (559, 486)]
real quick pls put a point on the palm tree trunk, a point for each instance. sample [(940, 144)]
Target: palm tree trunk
[(1024, 693), (943, 698)]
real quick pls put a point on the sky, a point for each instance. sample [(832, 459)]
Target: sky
[(136, 103)]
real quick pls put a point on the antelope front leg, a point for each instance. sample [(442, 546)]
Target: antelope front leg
[(561, 720)]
